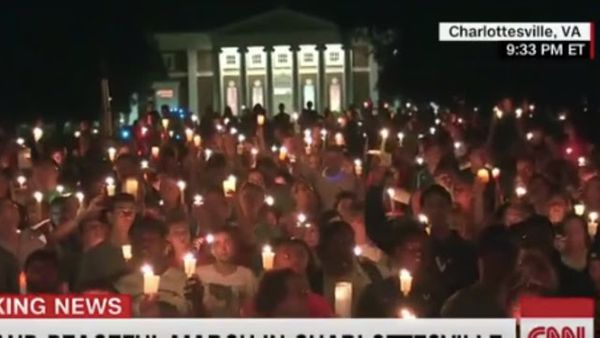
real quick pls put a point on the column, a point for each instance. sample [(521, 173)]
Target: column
[(348, 75), (295, 79), (217, 87), (321, 104), (373, 78), (269, 94), (192, 70), (243, 78)]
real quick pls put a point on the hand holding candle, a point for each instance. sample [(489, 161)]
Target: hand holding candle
[(579, 209), (151, 281), (126, 250), (189, 264), (110, 186), (112, 153), (358, 169)]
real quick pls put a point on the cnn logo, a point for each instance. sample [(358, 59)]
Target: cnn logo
[(553, 332)]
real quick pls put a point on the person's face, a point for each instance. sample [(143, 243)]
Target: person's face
[(251, 199), (169, 191), (94, 233), (410, 255), (151, 246), (477, 159), (256, 177), (126, 168), (538, 190), (223, 248), (311, 237), (437, 209), (557, 208), (123, 215), (463, 195), (302, 194), (594, 270), (575, 235), (9, 216), (179, 236), (42, 277), (433, 154), (291, 257), (47, 176), (513, 215), (295, 304)]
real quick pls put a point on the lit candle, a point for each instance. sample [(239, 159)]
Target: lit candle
[(260, 119), (240, 145), (358, 169), (384, 135), (21, 141), (405, 281), (532, 107), (21, 180), (495, 173), (405, 313), (151, 281), (197, 141), (165, 123), (80, 197), (579, 209), (569, 150), (269, 200), (131, 186), (562, 117), (483, 175), (181, 185), (282, 153), (110, 186), (112, 153), (60, 189), (498, 112), (529, 136), (254, 153), (343, 299), (233, 131), (126, 250), (38, 133), (189, 264), (207, 154), (518, 112), (155, 152), (400, 139), (189, 134), (593, 223), (339, 139), (520, 191), (209, 238), (39, 197), (391, 193), (267, 257), (357, 251), (144, 164), (198, 200), (581, 161), (432, 130), (229, 185), (419, 160), (22, 283)]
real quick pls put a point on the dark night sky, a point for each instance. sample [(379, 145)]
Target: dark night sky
[(53, 54)]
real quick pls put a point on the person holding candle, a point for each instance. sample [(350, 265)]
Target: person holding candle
[(487, 298), (121, 215), (42, 272), (178, 236), (227, 285)]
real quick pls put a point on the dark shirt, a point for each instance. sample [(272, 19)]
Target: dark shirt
[(455, 261), (574, 283), (9, 272)]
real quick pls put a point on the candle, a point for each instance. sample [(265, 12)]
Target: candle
[(569, 150), (339, 139), (343, 299), (144, 164), (419, 160), (269, 200), (432, 130), (21, 180), (562, 117), (358, 169), (531, 107), (498, 112), (529, 136), (254, 153), (229, 185), (209, 238), (126, 250), (38, 133), (165, 123), (260, 119), (267, 257), (151, 281), (495, 173), (155, 152), (110, 186), (207, 154), (22, 283), (423, 219), (189, 264), (131, 187), (301, 219), (197, 141), (400, 139), (60, 189), (405, 313), (384, 135), (341, 121), (581, 161), (112, 152), (181, 185), (240, 145), (483, 175), (520, 191), (80, 197), (357, 251), (579, 209), (405, 281), (391, 193), (189, 134), (21, 141), (282, 153), (593, 223), (518, 112)]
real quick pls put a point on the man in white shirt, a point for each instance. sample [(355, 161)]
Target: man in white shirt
[(227, 286)]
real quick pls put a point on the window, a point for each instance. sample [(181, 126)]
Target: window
[(256, 59), (282, 58), (169, 61), (230, 60), (308, 58), (334, 56)]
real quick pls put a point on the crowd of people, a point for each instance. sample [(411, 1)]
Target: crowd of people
[(412, 211)]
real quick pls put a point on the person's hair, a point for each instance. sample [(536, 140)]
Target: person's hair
[(86, 221), (120, 198), (329, 231), (42, 255), (58, 202), (435, 189), (226, 230), (408, 230), (148, 224), (272, 290), (583, 224), (496, 240), (342, 195), (176, 217), (127, 157)]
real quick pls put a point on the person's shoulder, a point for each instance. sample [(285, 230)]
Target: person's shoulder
[(245, 272), (205, 269)]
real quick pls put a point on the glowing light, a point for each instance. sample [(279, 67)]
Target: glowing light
[(38, 133), (518, 113), (269, 200), (198, 200)]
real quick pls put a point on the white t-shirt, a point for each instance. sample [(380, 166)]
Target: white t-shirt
[(224, 295)]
